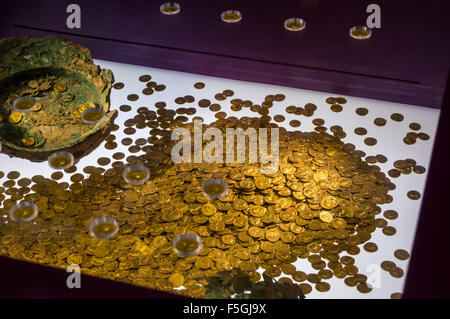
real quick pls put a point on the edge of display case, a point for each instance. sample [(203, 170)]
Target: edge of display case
[(25, 280)]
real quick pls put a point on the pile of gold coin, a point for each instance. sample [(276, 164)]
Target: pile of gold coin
[(321, 205)]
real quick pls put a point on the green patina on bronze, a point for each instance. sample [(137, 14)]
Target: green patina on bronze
[(31, 66)]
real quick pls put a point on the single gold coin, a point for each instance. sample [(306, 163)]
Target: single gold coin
[(322, 286), (370, 141), (208, 209), (28, 141), (299, 276), (414, 195), (370, 247), (397, 117), (15, 117), (362, 111), (360, 131), (389, 230), (390, 214), (176, 279), (379, 121), (38, 107), (306, 288), (60, 87), (294, 123), (336, 108), (418, 169), (396, 272), (401, 254), (331, 100), (363, 288), (76, 114), (199, 85), (394, 173), (387, 265), (326, 217)]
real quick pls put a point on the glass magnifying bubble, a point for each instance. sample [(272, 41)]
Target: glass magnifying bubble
[(360, 32), (23, 212), (294, 24), (231, 16), (136, 174), (24, 104), (170, 8), (92, 115), (215, 188), (186, 245), (61, 160), (103, 228)]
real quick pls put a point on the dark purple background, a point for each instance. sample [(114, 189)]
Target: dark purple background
[(406, 61)]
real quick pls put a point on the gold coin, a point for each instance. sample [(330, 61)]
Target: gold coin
[(294, 123), (370, 141), (299, 276), (326, 217), (387, 265), (38, 107), (336, 108), (15, 117), (401, 254), (379, 121), (306, 288), (59, 87), (362, 111), (390, 214), (363, 288), (418, 169), (272, 235), (397, 295), (176, 279), (396, 272), (76, 114), (291, 109), (397, 117), (414, 195), (28, 141), (351, 281), (389, 230), (331, 100), (208, 209), (394, 173), (199, 85), (415, 126), (322, 286), (370, 247), (360, 131), (279, 118)]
